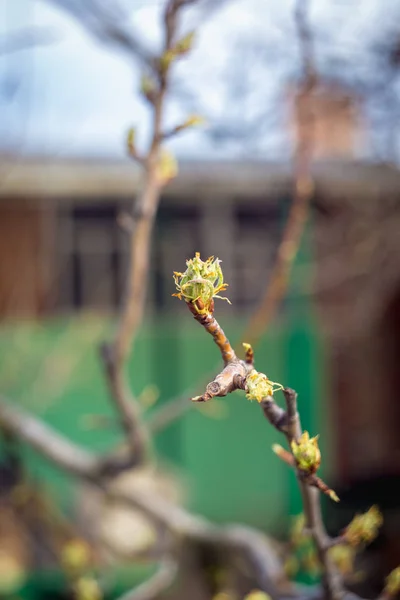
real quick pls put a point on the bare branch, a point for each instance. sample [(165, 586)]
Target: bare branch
[(231, 378), (312, 509), (211, 325), (287, 422), (276, 415), (52, 445), (235, 371), (294, 426), (253, 545), (116, 353), (129, 411), (303, 186), (133, 309)]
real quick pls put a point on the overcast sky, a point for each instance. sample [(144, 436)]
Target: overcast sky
[(72, 95)]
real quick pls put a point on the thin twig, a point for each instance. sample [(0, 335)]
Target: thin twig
[(235, 370), (227, 381), (276, 415), (311, 502), (211, 325), (38, 435), (129, 410)]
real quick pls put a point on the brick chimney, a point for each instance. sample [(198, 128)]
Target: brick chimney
[(340, 129)]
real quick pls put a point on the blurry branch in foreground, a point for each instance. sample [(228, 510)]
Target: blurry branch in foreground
[(303, 186), (159, 167), (183, 526)]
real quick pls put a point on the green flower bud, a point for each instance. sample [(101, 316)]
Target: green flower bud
[(259, 386), (200, 283), (185, 44), (307, 453), (363, 529)]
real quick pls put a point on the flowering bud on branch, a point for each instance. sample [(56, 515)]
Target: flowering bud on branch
[(185, 44), (194, 121), (182, 47), (306, 456), (131, 139), (131, 146), (258, 386), (307, 453), (167, 167), (190, 121), (75, 556), (148, 88), (363, 529), (200, 283), (249, 353)]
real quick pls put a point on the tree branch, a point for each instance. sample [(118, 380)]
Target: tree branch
[(211, 325), (275, 414), (235, 371), (38, 435), (128, 409), (227, 381), (183, 525), (303, 186), (116, 353), (311, 502)]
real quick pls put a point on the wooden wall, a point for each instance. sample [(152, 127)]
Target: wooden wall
[(24, 259)]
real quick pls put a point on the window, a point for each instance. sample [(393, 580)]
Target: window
[(92, 257), (177, 238), (93, 250), (93, 254), (256, 238)]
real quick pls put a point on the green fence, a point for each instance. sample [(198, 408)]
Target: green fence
[(222, 449)]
